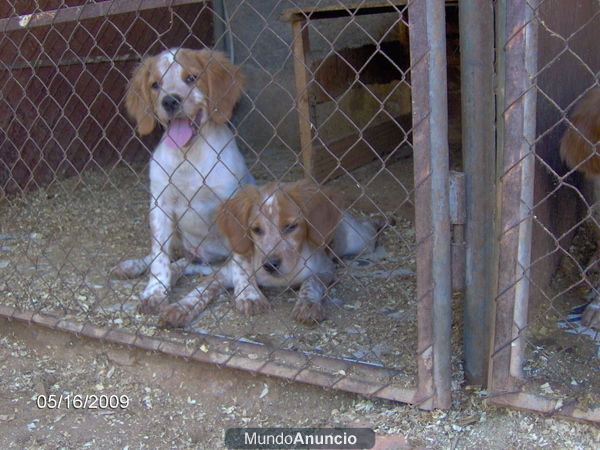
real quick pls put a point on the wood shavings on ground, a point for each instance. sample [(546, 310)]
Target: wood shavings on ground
[(559, 360), (61, 241)]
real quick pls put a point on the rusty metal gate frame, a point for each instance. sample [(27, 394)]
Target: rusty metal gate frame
[(433, 246), (516, 104)]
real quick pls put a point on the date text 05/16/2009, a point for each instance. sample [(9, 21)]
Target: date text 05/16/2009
[(81, 401)]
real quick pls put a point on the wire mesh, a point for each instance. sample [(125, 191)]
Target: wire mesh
[(327, 97), (546, 342)]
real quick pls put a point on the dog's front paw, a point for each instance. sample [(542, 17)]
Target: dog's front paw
[(120, 271), (308, 312), (153, 299), (131, 268), (251, 303), (176, 316), (591, 315)]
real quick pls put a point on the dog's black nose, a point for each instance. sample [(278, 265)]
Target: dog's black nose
[(271, 265), (171, 103)]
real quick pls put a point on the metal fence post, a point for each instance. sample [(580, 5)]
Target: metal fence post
[(479, 158), (430, 119)]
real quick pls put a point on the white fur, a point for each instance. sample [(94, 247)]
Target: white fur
[(187, 185)]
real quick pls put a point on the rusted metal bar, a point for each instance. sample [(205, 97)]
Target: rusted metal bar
[(87, 11), (515, 107), (346, 375), (555, 407), (527, 152), (499, 358), (476, 19), (432, 221)]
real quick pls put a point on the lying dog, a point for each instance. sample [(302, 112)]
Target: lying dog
[(579, 149), (281, 235), (196, 165)]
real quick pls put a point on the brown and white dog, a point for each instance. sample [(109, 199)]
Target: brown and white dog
[(194, 168), (282, 235), (580, 150)]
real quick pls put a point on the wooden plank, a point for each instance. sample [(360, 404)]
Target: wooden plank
[(79, 120), (87, 11), (331, 12), (354, 9), (403, 33), (368, 64), (86, 61), (334, 159), (300, 48)]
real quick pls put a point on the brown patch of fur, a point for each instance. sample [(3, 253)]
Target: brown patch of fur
[(579, 145), (319, 207), (232, 219), (220, 80), (138, 99)]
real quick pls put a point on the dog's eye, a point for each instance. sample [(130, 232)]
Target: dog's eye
[(155, 85), (190, 78), (257, 230), (290, 227)]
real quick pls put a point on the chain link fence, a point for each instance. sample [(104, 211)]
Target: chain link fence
[(335, 93), (546, 342)]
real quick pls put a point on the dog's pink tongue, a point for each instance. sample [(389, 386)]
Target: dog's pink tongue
[(178, 133)]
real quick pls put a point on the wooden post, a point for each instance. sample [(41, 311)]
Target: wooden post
[(301, 48)]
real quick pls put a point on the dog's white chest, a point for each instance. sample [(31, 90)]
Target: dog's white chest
[(172, 169)]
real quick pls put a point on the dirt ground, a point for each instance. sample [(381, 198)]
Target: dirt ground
[(60, 242), (567, 361), (178, 404), (57, 246)]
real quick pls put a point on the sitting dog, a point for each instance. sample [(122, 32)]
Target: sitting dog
[(282, 235), (196, 165), (579, 149)]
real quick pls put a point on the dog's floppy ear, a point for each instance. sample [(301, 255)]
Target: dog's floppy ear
[(225, 83), (320, 208), (138, 99), (233, 216)]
